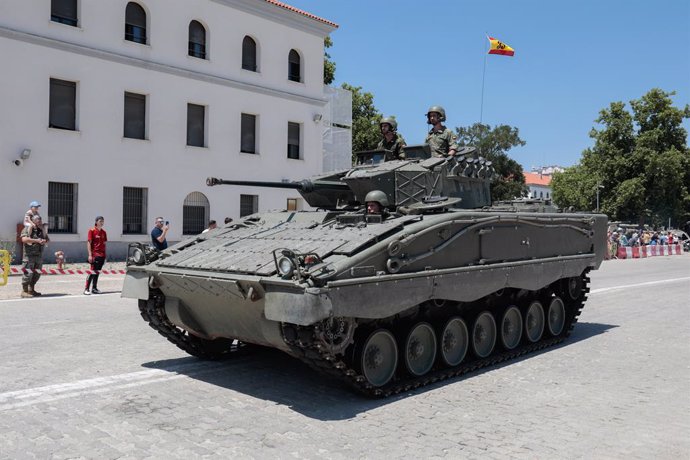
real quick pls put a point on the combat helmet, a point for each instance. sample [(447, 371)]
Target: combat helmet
[(438, 109), (378, 196), (391, 121)]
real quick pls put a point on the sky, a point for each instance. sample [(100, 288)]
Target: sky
[(572, 59)]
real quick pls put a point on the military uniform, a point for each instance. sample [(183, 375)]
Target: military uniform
[(441, 142), (395, 149), (33, 257)]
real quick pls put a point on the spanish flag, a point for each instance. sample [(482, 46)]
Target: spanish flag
[(498, 47)]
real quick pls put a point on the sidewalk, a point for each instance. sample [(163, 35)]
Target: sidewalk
[(15, 269)]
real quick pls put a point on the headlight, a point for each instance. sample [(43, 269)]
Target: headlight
[(138, 257), (286, 266)]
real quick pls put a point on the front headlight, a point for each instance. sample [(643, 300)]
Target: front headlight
[(286, 267), (138, 257)]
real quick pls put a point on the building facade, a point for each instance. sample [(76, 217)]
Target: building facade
[(539, 185), (124, 108)]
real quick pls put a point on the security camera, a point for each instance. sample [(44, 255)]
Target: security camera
[(26, 153), (18, 162)]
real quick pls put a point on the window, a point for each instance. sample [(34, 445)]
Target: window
[(249, 54), (135, 23), (248, 137), (134, 205), (293, 141), (63, 104), (195, 125), (249, 204), (292, 204), (135, 116), (64, 12), (62, 207), (197, 40), (195, 213), (294, 66)]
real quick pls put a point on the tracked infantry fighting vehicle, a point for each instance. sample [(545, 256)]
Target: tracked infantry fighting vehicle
[(438, 284)]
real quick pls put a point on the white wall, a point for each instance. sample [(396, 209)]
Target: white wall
[(104, 65)]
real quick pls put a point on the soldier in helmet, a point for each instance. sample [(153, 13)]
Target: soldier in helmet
[(376, 202), (441, 140), (392, 142)]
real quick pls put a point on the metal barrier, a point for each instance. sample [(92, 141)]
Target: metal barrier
[(5, 266)]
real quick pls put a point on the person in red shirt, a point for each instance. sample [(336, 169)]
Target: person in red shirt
[(95, 245)]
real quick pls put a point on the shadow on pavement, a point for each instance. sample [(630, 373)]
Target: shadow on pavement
[(270, 374)]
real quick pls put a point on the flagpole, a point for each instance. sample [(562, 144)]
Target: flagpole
[(481, 109)]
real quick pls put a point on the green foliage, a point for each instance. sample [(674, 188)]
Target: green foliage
[(493, 144), (641, 159), (328, 65), (365, 119)]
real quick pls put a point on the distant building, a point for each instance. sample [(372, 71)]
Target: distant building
[(122, 109), (539, 185), (547, 170)]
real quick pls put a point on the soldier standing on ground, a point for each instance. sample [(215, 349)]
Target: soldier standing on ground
[(95, 245), (392, 142), (34, 241), (442, 141)]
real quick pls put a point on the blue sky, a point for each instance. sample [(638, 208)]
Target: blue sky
[(572, 59)]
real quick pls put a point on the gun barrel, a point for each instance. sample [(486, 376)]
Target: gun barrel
[(211, 181), (304, 185)]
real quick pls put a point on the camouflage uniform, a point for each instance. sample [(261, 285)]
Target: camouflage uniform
[(395, 149), (441, 142), (33, 257)]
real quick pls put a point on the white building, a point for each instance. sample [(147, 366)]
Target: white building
[(123, 109)]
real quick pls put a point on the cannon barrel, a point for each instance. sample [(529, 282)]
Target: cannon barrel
[(303, 185)]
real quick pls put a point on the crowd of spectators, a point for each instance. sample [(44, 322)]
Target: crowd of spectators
[(640, 237)]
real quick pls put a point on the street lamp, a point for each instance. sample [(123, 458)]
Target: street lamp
[(599, 186)]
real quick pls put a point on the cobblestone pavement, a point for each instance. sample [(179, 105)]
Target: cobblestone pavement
[(85, 377)]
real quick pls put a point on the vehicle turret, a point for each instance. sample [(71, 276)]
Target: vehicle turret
[(414, 185)]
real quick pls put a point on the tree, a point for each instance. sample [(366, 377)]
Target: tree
[(640, 159), (365, 119), (493, 144), (328, 65)]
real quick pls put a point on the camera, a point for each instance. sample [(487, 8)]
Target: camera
[(18, 162), (167, 222)]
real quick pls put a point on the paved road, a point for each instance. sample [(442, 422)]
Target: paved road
[(85, 377)]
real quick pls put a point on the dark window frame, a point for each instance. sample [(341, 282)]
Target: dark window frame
[(249, 54), (248, 133), (62, 207), (134, 210), (294, 66), (135, 30), (248, 201), (294, 142), (196, 127), (197, 45), (134, 129), (62, 104), (65, 12), (196, 210)]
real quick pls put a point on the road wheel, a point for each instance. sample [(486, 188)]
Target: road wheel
[(420, 349), (484, 334), (556, 316), (379, 357), (454, 341), (534, 321), (511, 328)]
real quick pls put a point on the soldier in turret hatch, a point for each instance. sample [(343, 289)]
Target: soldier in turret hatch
[(392, 142), (442, 141), (377, 202)]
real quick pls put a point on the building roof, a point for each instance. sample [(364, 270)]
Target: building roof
[(537, 179), (302, 12)]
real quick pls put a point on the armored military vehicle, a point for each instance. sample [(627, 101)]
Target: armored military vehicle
[(436, 284)]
